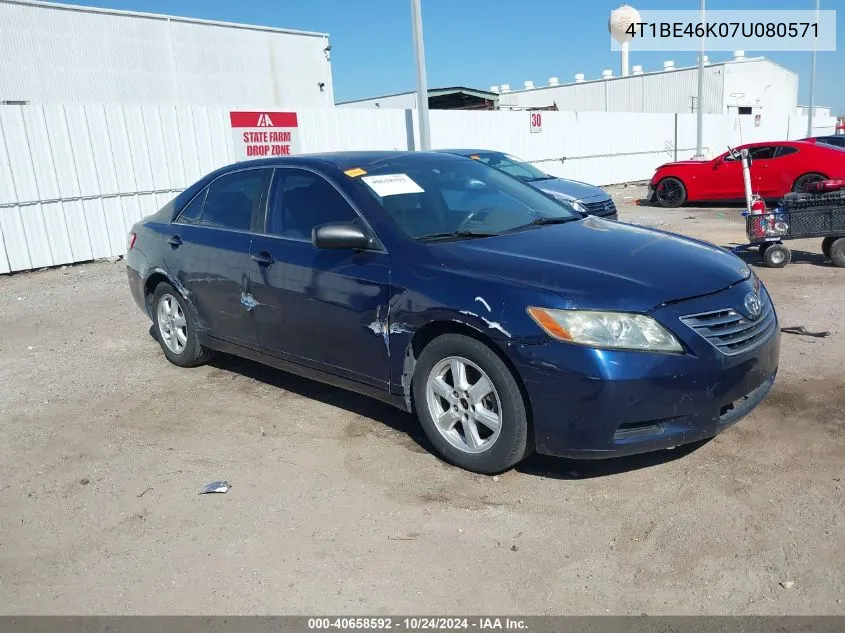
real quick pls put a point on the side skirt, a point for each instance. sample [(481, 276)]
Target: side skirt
[(382, 395)]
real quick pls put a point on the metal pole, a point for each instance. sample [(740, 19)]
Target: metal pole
[(812, 79), (422, 86), (624, 68), (699, 118)]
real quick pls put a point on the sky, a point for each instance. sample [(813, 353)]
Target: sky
[(480, 43)]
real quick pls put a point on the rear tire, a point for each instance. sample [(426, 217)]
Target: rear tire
[(462, 432), (670, 193), (837, 252), (776, 256), (826, 244), (806, 179), (175, 328)]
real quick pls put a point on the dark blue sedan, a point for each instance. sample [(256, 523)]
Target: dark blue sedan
[(506, 322)]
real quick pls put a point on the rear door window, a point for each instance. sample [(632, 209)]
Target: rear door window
[(233, 198)]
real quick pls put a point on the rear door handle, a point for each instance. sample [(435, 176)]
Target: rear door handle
[(175, 241), (264, 258)]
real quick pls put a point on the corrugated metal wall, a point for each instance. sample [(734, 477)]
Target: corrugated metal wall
[(666, 92), (73, 179), (64, 54), (402, 101)]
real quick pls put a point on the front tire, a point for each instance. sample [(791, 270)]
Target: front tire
[(470, 405), (175, 328), (670, 193)]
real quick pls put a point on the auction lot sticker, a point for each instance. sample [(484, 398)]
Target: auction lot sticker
[(264, 134)]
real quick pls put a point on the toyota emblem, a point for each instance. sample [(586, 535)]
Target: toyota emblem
[(753, 305)]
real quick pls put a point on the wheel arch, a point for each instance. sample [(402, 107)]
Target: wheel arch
[(804, 175), (681, 179), (152, 281), (430, 331)]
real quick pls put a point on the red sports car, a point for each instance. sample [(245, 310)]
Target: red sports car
[(777, 168)]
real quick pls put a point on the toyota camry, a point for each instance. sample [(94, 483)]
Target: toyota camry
[(506, 322)]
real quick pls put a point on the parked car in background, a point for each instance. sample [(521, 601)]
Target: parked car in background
[(834, 140), (505, 329), (777, 169), (584, 198)]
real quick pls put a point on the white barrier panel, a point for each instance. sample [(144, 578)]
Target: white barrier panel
[(75, 178)]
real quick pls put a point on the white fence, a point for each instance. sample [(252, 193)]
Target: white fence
[(73, 179)]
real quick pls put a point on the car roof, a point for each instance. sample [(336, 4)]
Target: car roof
[(340, 160), (467, 152)]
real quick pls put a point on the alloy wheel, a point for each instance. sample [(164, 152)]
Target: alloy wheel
[(464, 404), (172, 324)]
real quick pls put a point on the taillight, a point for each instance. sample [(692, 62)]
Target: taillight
[(131, 241)]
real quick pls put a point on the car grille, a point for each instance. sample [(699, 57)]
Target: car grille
[(604, 207), (732, 333)]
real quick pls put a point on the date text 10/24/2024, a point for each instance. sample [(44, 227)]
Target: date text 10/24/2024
[(418, 623)]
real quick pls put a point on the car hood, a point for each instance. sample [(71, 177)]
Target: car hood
[(597, 264), (683, 163), (569, 189)]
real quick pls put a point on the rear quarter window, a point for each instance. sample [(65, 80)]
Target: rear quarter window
[(192, 212)]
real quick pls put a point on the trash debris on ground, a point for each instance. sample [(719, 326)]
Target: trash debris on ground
[(787, 584), (85, 481), (114, 260), (215, 486), (802, 331), (496, 478), (409, 537), (690, 217), (514, 548), (143, 492)]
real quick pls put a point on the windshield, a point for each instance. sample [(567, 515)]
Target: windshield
[(511, 166), (454, 197)]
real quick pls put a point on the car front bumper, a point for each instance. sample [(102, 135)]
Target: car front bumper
[(589, 403)]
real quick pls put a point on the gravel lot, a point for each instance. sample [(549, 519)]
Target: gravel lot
[(337, 505)]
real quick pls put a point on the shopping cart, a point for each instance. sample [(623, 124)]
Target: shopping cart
[(797, 216)]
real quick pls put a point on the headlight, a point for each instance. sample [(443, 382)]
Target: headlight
[(579, 207), (609, 330)]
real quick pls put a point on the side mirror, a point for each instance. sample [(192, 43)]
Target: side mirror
[(718, 162), (339, 236)]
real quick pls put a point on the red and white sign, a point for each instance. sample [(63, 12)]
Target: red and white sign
[(536, 122), (264, 134)]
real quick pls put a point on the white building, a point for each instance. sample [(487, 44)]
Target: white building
[(56, 53), (738, 86), (453, 98)]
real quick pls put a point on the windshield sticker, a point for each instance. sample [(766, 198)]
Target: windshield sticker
[(475, 157), (354, 173), (392, 185)]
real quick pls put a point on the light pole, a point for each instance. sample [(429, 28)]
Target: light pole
[(422, 85), (699, 118), (812, 78)]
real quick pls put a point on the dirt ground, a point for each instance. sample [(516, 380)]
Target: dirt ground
[(338, 507)]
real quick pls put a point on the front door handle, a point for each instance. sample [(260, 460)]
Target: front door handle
[(264, 258), (175, 241)]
